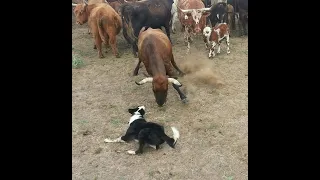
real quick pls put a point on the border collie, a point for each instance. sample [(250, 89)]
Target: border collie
[(145, 132)]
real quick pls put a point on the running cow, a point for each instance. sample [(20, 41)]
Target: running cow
[(155, 51)]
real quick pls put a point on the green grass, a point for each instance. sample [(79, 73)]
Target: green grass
[(77, 61)]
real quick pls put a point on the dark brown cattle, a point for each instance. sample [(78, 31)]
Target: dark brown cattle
[(219, 33), (192, 15), (104, 22), (155, 51)]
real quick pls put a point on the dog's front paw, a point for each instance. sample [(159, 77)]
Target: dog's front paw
[(107, 140), (131, 152)]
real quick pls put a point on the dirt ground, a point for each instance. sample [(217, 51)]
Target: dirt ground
[(213, 126)]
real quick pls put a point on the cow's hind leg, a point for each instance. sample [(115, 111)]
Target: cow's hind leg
[(106, 42), (98, 42), (218, 51), (167, 27), (113, 43), (228, 44)]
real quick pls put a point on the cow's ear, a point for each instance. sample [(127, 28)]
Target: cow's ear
[(206, 14)]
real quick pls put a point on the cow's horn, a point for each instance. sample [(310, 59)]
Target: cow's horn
[(206, 9), (73, 4), (148, 79), (85, 2), (174, 81)]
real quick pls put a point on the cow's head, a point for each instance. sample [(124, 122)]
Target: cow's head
[(160, 87), (80, 11), (220, 11), (196, 15), (207, 31)]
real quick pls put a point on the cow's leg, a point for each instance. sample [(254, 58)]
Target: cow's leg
[(113, 43), (94, 46), (125, 35), (136, 70), (228, 44), (206, 42), (244, 24), (167, 27), (135, 49), (182, 96), (218, 51), (106, 42), (174, 21), (211, 53), (98, 42), (186, 36)]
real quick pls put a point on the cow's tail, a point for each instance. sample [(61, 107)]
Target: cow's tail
[(171, 141), (101, 23)]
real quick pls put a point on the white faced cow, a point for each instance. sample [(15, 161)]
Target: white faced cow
[(214, 36), (192, 15)]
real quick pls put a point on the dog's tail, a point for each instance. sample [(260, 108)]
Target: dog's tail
[(172, 141)]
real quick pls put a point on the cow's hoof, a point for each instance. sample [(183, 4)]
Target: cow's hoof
[(131, 152), (101, 56), (94, 47), (185, 101), (117, 55)]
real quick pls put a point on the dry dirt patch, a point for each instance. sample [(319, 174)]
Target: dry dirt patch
[(213, 125)]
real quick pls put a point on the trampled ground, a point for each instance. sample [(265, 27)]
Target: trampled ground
[(213, 125)]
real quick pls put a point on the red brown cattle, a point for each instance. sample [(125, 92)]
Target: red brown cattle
[(192, 15), (219, 33), (155, 51), (89, 2), (104, 22)]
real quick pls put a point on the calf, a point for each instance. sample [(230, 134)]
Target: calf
[(104, 22), (155, 51), (219, 33)]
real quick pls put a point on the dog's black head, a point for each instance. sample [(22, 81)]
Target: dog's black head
[(137, 111)]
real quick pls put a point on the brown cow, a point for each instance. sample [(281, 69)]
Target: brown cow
[(89, 2), (155, 51), (219, 33), (104, 23), (192, 15)]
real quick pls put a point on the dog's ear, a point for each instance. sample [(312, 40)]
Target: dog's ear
[(142, 112), (131, 111)]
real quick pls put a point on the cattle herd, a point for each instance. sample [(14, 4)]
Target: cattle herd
[(141, 23)]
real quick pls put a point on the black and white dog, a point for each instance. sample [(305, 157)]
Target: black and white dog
[(145, 132)]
